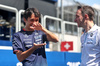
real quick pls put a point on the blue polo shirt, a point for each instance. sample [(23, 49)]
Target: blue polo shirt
[(91, 47), (23, 40)]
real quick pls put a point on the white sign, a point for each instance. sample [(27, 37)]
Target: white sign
[(19, 64), (73, 63)]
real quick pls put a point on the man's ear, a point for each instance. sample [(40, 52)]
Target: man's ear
[(86, 16), (24, 20)]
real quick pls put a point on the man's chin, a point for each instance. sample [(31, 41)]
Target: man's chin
[(31, 29)]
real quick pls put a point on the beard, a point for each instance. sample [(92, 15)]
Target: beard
[(81, 23)]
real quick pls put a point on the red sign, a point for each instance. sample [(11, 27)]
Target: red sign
[(66, 45)]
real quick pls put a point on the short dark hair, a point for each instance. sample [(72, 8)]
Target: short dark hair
[(79, 7), (87, 10), (29, 11)]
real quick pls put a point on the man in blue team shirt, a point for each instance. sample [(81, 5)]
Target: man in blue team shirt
[(90, 40), (28, 44)]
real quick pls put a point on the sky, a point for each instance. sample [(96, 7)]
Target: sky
[(93, 3)]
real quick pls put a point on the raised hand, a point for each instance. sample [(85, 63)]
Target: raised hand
[(37, 26)]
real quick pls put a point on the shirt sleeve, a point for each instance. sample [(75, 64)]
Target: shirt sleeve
[(16, 44), (44, 37)]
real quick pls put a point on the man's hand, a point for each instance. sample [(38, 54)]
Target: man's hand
[(39, 45), (37, 26)]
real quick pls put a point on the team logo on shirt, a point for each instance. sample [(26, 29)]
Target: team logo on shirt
[(36, 33), (26, 35), (38, 39), (28, 46), (91, 34)]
